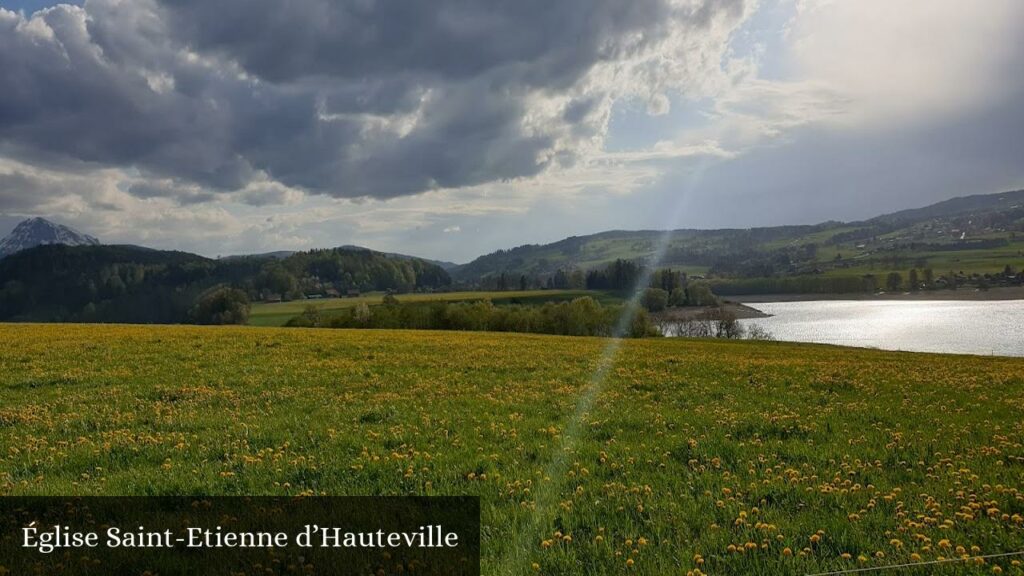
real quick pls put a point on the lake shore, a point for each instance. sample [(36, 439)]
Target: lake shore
[(966, 294), (740, 311)]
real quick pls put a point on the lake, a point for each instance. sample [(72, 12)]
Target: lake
[(959, 327)]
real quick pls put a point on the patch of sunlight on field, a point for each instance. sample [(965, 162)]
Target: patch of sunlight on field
[(727, 457)]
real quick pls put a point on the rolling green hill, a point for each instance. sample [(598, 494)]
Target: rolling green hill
[(973, 241), (692, 250), (140, 285), (970, 235)]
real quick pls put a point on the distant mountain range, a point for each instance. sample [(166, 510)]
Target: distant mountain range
[(699, 250), (968, 223), (37, 232), (992, 222), (977, 203), (40, 232)]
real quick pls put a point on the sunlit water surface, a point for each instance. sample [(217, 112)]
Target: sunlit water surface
[(988, 328)]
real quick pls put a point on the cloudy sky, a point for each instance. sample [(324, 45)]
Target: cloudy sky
[(452, 128)]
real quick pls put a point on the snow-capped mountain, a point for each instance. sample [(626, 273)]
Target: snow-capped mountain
[(36, 231)]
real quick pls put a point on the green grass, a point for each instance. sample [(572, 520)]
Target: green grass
[(874, 258), (688, 450), (278, 313), (967, 261), (821, 238)]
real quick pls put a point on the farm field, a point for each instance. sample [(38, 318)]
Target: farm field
[(278, 313), (727, 457), (967, 261)]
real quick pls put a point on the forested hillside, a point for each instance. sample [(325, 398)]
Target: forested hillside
[(973, 240), (140, 285)]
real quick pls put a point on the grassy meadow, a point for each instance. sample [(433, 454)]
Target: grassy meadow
[(723, 457), (279, 313)]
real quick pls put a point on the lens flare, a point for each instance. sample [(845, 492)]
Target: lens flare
[(546, 495)]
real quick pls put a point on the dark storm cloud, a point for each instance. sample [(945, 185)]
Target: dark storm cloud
[(348, 98), (65, 96), (534, 42)]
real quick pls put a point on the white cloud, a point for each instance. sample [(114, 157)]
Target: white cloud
[(862, 65), (449, 95), (909, 59), (177, 132)]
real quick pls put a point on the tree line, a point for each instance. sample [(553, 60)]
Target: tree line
[(345, 269), (58, 283), (582, 316), (712, 323)]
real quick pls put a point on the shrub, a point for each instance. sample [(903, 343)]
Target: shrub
[(757, 332), (221, 305), (581, 317), (655, 299)]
